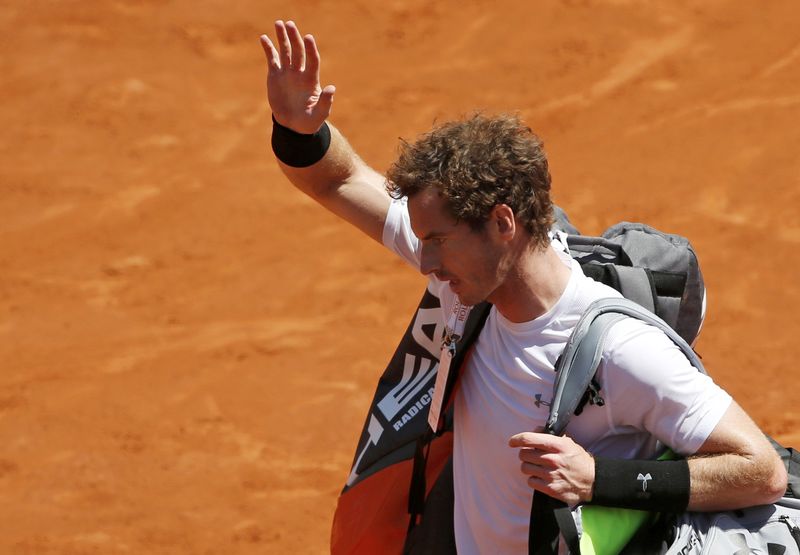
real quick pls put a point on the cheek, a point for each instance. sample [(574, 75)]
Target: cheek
[(467, 262), (484, 264)]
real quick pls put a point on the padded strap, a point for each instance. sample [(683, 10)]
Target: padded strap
[(575, 369), (549, 519), (637, 285), (566, 524), (596, 249), (543, 528), (581, 356)]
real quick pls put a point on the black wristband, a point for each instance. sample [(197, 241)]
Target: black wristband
[(645, 485), (298, 150)]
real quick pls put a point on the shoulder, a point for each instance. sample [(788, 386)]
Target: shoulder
[(631, 343), (641, 353)]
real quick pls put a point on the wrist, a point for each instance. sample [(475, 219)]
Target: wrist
[(641, 484), (299, 150)]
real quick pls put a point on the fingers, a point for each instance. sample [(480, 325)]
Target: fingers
[(270, 52), (292, 48), (298, 54), (312, 56), (550, 481), (533, 458), (549, 489), (283, 44), (541, 479), (533, 469), (543, 442), (538, 484)]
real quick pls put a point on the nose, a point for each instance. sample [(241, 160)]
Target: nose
[(429, 260)]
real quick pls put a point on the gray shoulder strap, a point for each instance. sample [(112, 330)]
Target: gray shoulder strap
[(635, 284), (578, 363)]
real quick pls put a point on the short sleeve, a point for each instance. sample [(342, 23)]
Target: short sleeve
[(397, 234), (653, 387)]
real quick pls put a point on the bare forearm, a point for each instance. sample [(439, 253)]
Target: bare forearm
[(339, 165), (345, 185), (729, 481)]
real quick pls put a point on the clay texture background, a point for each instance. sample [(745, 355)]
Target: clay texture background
[(188, 345)]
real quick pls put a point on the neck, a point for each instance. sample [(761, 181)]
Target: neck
[(532, 286)]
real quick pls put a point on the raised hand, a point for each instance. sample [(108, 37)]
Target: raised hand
[(294, 92)]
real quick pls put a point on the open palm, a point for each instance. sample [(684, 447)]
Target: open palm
[(294, 92)]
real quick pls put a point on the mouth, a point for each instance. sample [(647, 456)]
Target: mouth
[(451, 281)]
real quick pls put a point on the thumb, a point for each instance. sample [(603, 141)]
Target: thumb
[(325, 101)]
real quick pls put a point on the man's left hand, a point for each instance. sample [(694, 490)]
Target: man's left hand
[(556, 466)]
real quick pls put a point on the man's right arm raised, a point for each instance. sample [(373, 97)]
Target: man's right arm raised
[(340, 180)]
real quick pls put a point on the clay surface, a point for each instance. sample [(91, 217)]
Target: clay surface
[(188, 345)]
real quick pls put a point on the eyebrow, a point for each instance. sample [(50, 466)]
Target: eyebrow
[(433, 235)]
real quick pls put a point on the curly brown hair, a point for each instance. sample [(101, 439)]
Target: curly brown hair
[(477, 163)]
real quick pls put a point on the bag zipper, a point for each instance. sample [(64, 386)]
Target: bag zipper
[(794, 529)]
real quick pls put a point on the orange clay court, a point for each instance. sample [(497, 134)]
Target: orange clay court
[(188, 346)]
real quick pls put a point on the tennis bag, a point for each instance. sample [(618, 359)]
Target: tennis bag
[(769, 529)]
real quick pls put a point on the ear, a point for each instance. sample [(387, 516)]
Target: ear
[(503, 221)]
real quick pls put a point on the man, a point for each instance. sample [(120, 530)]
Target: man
[(468, 204)]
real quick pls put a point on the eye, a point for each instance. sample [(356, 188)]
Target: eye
[(435, 240)]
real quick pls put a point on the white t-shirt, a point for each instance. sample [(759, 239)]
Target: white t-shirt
[(653, 397)]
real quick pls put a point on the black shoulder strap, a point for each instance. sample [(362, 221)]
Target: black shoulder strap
[(472, 329), (550, 516), (416, 491)]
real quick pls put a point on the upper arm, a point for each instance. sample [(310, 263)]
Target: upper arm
[(362, 200), (737, 434), (345, 185)]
